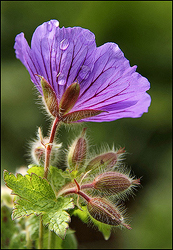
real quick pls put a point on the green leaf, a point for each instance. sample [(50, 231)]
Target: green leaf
[(32, 224), (36, 196), (36, 169), (85, 217), (57, 178), (70, 241)]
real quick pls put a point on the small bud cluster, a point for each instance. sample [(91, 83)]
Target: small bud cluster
[(39, 148), (101, 174)]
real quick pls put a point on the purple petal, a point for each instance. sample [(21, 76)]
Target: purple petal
[(107, 81), (59, 55)]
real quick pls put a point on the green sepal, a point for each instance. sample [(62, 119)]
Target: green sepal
[(50, 99), (69, 98), (80, 114)]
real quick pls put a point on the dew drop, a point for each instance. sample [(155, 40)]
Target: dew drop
[(56, 23), (49, 26), (84, 72), (61, 78), (53, 54), (64, 44)]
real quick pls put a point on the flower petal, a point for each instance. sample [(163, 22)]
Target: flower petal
[(113, 86), (107, 82), (62, 54), (24, 53), (122, 110)]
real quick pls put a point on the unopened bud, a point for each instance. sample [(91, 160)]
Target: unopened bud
[(114, 182), (104, 211), (69, 98), (77, 152), (39, 148), (107, 160), (49, 97)]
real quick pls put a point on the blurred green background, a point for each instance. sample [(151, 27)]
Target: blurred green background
[(142, 29)]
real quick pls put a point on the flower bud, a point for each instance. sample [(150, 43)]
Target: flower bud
[(38, 150), (78, 151), (107, 160), (49, 98), (69, 98), (104, 211), (114, 182)]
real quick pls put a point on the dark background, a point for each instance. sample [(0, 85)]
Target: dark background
[(142, 29)]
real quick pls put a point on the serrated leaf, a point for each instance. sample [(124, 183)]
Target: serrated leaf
[(36, 169), (34, 189), (85, 217), (57, 178), (36, 196), (58, 219)]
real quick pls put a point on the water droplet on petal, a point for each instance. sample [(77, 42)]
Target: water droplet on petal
[(84, 72), (64, 44), (49, 26), (61, 78), (56, 23), (53, 54)]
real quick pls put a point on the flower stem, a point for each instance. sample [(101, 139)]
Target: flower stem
[(51, 240), (40, 243), (49, 146), (87, 185), (75, 190), (28, 240)]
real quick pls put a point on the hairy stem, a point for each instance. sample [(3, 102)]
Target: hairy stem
[(87, 185), (75, 190), (49, 146)]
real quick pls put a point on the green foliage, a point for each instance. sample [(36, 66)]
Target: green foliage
[(85, 217), (11, 233), (57, 178), (36, 196)]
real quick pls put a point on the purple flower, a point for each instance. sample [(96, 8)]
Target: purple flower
[(106, 81)]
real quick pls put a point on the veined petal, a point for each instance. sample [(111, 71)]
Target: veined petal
[(107, 81), (25, 55), (62, 53), (122, 110), (112, 80)]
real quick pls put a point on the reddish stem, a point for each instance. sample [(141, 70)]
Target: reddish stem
[(85, 196), (87, 185), (76, 190), (49, 146)]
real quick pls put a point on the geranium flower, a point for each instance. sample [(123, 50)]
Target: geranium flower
[(91, 83)]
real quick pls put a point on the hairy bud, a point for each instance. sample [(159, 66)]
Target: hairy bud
[(114, 182), (105, 212), (38, 149), (107, 160), (78, 151)]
